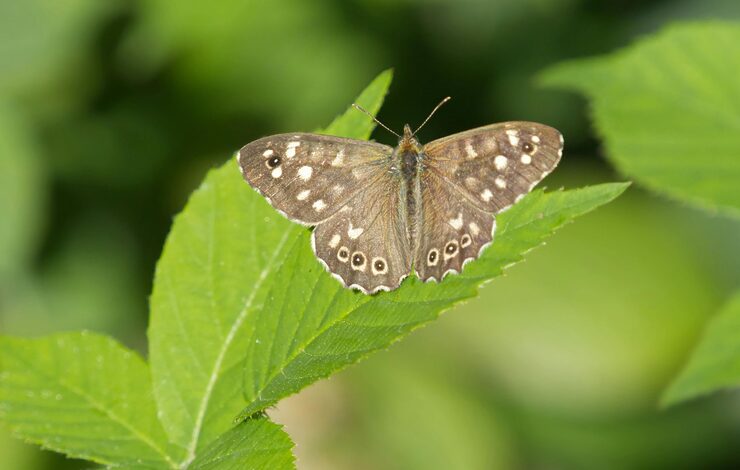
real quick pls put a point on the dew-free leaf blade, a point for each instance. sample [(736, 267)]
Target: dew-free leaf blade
[(84, 395), (715, 363), (217, 267), (255, 443), (668, 109), (313, 327)]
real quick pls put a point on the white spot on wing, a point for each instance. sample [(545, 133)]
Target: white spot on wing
[(526, 159), (513, 137), (267, 153), (334, 240), (474, 229), (277, 172), (470, 151), (290, 153), (535, 139), (353, 233), (305, 172), (319, 205), (339, 159), (500, 162), (458, 222), (303, 195), (486, 195), (500, 183)]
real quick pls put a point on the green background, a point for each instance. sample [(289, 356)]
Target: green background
[(112, 112)]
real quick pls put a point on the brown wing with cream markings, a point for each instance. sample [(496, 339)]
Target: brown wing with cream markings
[(309, 177), (452, 230), (494, 166), (365, 244)]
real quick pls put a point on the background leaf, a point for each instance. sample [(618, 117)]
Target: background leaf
[(22, 192), (218, 265), (84, 395), (668, 109), (715, 364)]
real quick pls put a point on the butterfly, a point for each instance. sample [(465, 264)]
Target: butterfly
[(381, 212)]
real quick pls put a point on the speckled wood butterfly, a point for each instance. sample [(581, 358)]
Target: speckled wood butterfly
[(380, 212)]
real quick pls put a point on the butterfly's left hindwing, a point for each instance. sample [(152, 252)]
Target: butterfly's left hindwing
[(309, 177), (365, 243), (496, 165)]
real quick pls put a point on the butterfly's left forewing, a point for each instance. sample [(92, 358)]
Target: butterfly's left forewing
[(310, 177)]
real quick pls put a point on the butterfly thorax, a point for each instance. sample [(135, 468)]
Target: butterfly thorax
[(408, 154)]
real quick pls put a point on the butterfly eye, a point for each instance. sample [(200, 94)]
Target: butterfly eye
[(358, 261), (465, 240), (527, 147), (450, 249), (273, 162), (379, 266), (432, 257), (343, 254)]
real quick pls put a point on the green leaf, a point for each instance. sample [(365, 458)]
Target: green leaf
[(668, 109), (219, 263), (312, 326), (715, 364), (84, 395), (255, 443)]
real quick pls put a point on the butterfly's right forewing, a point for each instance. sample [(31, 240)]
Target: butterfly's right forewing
[(310, 177), (494, 166)]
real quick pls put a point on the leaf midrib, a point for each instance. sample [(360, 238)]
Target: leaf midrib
[(215, 374)]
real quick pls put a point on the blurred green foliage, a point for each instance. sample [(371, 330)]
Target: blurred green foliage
[(111, 112)]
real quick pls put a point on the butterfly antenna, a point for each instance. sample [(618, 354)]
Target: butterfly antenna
[(360, 108), (432, 114)]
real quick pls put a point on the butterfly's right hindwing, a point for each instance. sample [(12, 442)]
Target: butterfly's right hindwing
[(452, 231), (309, 177)]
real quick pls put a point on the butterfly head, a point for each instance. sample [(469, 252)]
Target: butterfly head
[(408, 142)]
